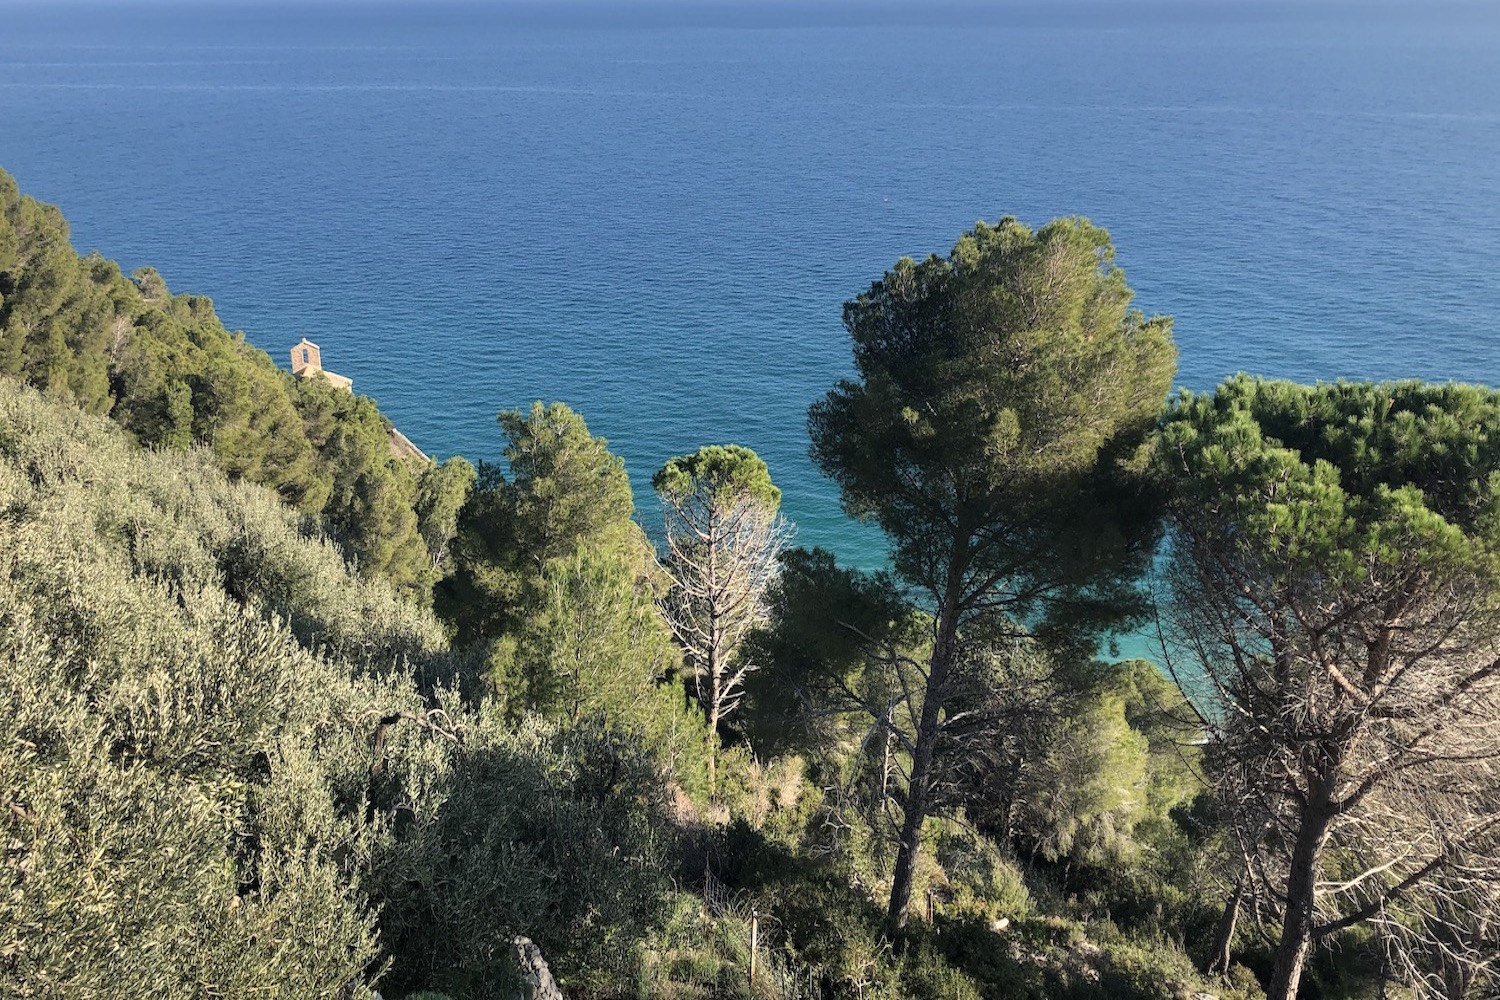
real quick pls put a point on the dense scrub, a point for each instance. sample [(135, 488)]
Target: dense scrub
[(221, 772)]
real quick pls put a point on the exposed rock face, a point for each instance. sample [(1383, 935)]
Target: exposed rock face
[(536, 979)]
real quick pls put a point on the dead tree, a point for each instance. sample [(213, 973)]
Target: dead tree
[(724, 536)]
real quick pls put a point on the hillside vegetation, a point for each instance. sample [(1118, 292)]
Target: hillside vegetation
[(164, 368), (233, 767), (285, 715)]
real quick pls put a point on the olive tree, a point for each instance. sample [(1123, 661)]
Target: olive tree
[(1002, 395), (1336, 610)]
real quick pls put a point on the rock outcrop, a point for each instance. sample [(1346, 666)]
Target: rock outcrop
[(536, 979)]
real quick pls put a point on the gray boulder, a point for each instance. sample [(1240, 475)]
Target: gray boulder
[(536, 979)]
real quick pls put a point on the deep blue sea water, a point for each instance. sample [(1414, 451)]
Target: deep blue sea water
[(654, 212)]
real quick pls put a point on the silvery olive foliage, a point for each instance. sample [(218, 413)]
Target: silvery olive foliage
[(230, 767)]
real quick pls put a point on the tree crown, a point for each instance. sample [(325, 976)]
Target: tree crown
[(723, 474), (1340, 480), (1002, 392), (565, 483)]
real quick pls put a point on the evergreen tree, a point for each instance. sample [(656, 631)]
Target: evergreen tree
[(1002, 393), (565, 490), (591, 642), (164, 367), (442, 491), (1336, 601)]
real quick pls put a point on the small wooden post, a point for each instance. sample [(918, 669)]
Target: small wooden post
[(754, 941)]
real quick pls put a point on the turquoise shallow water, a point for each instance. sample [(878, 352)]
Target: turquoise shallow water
[(654, 212)]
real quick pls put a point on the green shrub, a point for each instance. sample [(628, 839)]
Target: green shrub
[(926, 975), (984, 879), (559, 835), (169, 752), (217, 770)]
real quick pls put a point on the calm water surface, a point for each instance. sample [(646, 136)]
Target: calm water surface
[(655, 212)]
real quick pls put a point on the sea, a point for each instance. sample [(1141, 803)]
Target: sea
[(653, 211)]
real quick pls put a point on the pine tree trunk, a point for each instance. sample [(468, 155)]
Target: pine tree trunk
[(713, 748), (1301, 900), (919, 787), (1219, 958), (911, 826)]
